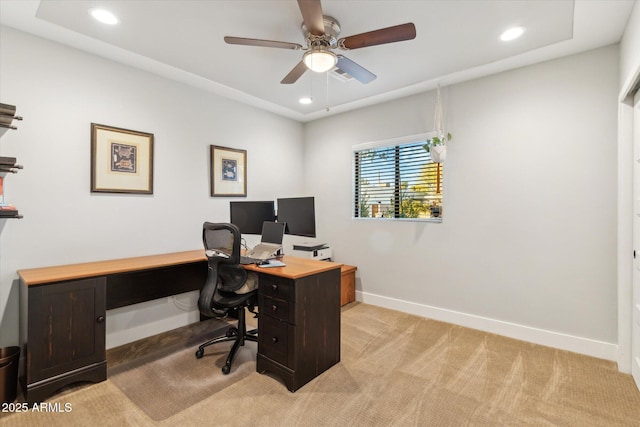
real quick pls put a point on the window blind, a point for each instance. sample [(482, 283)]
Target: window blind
[(397, 181)]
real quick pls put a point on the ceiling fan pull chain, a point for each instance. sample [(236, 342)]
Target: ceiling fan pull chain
[(327, 91)]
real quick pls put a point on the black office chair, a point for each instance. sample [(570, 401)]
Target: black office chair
[(220, 293)]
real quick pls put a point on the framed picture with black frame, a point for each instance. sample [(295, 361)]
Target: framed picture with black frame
[(228, 172), (121, 160)]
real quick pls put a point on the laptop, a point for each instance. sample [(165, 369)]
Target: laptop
[(270, 244)]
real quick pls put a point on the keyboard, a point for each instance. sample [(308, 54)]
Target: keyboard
[(248, 260)]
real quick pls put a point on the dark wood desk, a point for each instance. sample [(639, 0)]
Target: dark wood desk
[(63, 310), (299, 319)]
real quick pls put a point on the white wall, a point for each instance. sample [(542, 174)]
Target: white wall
[(59, 91), (527, 247)]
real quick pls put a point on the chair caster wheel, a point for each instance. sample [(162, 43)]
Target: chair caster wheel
[(226, 369), (199, 353)]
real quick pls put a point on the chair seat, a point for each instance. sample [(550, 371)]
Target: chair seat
[(223, 299)]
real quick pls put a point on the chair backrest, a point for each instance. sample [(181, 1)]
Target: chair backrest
[(221, 242)]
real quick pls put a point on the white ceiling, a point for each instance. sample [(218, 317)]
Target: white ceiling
[(456, 41)]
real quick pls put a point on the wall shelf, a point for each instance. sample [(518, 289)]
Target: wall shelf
[(7, 164)]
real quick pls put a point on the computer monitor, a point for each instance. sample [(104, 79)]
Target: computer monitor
[(249, 216), (299, 215)]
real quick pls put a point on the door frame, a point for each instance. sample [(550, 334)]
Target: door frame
[(625, 220)]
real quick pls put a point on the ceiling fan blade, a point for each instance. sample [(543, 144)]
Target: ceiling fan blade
[(294, 74), (354, 70), (312, 16), (263, 43), (393, 34)]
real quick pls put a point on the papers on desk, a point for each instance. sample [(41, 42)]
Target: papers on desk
[(272, 263), (210, 253)]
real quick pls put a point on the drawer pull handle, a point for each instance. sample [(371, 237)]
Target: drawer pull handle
[(274, 340), (274, 287), (274, 307)]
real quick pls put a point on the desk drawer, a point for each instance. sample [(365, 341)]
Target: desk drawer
[(276, 287), (278, 308), (273, 340)]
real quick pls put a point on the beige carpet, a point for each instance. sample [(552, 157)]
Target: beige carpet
[(166, 382), (396, 370)]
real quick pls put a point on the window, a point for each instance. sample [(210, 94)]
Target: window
[(397, 179)]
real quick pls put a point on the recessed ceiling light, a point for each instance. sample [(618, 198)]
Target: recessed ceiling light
[(104, 16), (305, 100), (512, 34)]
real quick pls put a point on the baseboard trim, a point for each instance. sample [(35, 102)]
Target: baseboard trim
[(586, 346)]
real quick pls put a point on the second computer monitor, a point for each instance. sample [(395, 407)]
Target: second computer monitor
[(299, 215)]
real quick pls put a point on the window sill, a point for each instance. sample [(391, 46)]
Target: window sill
[(432, 220)]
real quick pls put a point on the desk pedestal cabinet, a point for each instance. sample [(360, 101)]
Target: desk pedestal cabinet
[(66, 325), (299, 326)]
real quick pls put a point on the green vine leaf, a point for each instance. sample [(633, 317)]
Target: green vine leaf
[(436, 140)]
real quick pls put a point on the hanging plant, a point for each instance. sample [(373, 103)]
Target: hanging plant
[(437, 145)]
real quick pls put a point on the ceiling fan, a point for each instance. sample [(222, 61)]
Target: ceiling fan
[(321, 34)]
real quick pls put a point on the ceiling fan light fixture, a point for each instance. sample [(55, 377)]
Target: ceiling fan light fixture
[(320, 59)]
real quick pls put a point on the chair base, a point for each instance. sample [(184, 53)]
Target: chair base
[(237, 334)]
